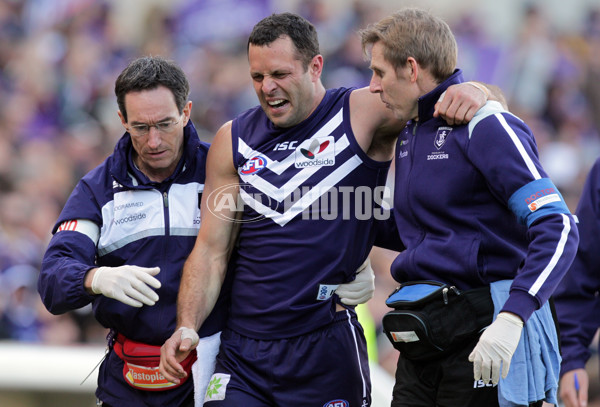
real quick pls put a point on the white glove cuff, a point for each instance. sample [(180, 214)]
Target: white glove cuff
[(364, 265), (99, 271), (189, 333), (511, 318)]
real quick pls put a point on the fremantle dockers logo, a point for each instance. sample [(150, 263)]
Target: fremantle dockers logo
[(441, 136)]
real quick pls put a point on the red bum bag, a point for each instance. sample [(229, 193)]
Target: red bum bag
[(140, 368)]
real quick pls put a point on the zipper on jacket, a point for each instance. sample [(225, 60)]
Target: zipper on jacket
[(413, 146), (165, 196)]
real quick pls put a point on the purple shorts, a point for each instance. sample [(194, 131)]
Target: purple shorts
[(327, 367)]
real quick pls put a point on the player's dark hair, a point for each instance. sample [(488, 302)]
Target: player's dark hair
[(150, 72), (302, 33)]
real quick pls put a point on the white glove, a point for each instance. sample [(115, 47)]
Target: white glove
[(128, 284), (496, 346), (361, 289)]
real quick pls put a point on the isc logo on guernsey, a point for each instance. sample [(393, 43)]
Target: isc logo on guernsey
[(336, 403)]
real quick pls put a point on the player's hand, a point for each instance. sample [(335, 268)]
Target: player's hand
[(361, 289), (459, 103), (496, 347), (570, 396), (128, 284), (174, 350)]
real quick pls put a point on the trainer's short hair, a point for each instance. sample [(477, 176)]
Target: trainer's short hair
[(412, 32), (150, 72), (302, 33)]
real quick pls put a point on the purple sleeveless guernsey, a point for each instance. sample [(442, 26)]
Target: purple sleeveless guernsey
[(311, 198)]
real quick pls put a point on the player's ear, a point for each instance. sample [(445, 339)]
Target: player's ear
[(316, 66)]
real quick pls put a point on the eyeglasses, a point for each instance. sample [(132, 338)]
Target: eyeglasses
[(139, 130)]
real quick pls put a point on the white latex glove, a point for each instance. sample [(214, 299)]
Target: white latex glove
[(361, 289), (496, 347), (128, 284)]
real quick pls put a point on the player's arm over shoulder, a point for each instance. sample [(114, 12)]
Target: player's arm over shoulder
[(495, 94), (373, 124)]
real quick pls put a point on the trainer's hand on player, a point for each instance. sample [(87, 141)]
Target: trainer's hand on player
[(174, 350), (361, 289), (459, 103), (569, 394), (129, 284), (496, 347)]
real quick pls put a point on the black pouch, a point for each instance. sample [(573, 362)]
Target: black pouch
[(432, 318)]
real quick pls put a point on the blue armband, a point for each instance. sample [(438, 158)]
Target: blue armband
[(537, 199)]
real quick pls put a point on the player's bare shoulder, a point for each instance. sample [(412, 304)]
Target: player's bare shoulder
[(374, 126), (220, 153)]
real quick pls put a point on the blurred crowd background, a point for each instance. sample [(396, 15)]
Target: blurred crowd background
[(58, 114)]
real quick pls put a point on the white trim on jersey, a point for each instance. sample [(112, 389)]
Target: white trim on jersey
[(184, 215), (519, 145), (495, 108), (353, 330), (84, 226), (307, 199), (137, 214), (560, 247), (279, 194), (491, 107), (279, 167)]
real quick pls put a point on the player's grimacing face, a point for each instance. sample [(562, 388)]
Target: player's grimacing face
[(284, 88)]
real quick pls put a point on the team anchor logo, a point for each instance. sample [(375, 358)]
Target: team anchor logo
[(319, 152), (441, 136)]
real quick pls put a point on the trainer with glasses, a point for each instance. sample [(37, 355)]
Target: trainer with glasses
[(122, 238)]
